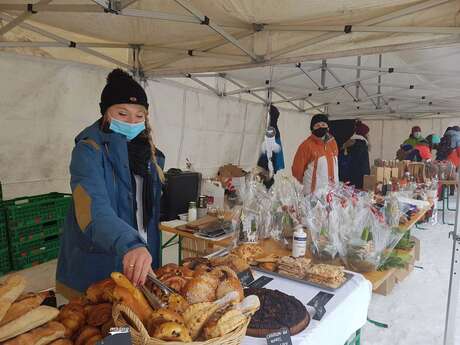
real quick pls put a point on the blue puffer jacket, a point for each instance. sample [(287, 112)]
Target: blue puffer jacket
[(101, 224)]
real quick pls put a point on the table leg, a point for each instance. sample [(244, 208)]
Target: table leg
[(447, 197)]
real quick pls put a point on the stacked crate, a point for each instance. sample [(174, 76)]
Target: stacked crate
[(34, 225), (5, 264)]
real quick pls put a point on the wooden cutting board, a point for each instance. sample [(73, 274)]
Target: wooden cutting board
[(198, 224)]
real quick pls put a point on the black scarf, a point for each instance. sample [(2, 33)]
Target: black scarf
[(140, 158)]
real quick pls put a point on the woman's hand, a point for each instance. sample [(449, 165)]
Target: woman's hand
[(137, 263)]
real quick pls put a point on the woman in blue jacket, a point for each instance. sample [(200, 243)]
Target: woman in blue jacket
[(116, 176)]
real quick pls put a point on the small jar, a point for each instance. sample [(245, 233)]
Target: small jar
[(192, 211)]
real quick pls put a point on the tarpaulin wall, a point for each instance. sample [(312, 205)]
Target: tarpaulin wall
[(45, 103)]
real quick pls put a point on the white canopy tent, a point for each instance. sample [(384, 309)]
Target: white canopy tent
[(387, 61)]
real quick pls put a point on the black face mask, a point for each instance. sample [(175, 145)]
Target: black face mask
[(320, 132)]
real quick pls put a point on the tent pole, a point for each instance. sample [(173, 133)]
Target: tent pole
[(343, 85), (67, 42), (217, 28), (202, 83), (454, 281), (365, 28), (234, 82), (323, 74), (358, 77), (285, 99), (32, 9), (374, 21), (299, 66), (379, 82)]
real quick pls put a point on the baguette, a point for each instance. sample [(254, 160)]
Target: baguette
[(28, 321), (10, 290), (40, 336), (23, 306)]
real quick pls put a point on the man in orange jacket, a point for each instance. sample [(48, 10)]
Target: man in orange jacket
[(315, 162)]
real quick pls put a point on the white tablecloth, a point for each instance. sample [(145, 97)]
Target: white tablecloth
[(346, 312)]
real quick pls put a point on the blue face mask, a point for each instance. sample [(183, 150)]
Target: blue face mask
[(129, 130)]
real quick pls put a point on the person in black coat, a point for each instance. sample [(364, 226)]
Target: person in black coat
[(354, 157)]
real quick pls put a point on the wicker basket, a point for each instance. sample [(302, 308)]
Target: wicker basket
[(123, 316)]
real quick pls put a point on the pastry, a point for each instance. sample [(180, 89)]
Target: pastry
[(324, 274), (101, 292), (177, 303), (34, 318), (248, 251), (39, 336), (126, 293), (94, 339), (196, 263), (277, 310), (176, 283), (197, 315), (222, 323), (228, 281), (10, 290), (161, 316), (293, 267), (62, 342), (201, 289), (172, 331), (105, 329), (269, 266), (233, 261), (100, 314), (86, 334), (23, 305), (73, 317)]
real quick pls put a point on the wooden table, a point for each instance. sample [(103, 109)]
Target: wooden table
[(377, 278)]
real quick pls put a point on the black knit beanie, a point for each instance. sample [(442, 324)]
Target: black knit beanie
[(318, 118), (122, 88)]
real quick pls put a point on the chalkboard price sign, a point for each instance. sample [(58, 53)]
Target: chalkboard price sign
[(281, 337)]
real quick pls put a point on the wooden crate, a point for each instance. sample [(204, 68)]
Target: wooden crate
[(384, 282)]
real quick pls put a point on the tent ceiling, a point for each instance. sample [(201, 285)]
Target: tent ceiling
[(176, 37)]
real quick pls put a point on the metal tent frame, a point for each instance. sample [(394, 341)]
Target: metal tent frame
[(381, 104)]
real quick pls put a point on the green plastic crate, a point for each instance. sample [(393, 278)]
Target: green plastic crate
[(28, 211), (3, 235), (22, 262), (35, 232), (33, 247), (5, 264)]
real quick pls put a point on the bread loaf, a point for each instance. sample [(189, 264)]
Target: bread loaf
[(86, 334), (101, 292), (10, 290), (23, 306), (28, 321), (62, 342), (40, 336)]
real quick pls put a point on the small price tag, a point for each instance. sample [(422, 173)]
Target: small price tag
[(281, 337), (260, 282), (118, 336), (318, 302), (246, 277)]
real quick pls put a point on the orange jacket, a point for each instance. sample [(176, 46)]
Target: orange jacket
[(315, 163), (454, 157)]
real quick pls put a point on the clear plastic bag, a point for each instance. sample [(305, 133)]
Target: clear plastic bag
[(285, 208), (253, 217)]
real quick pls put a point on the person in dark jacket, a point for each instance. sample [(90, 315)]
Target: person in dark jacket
[(355, 156), (116, 178)]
